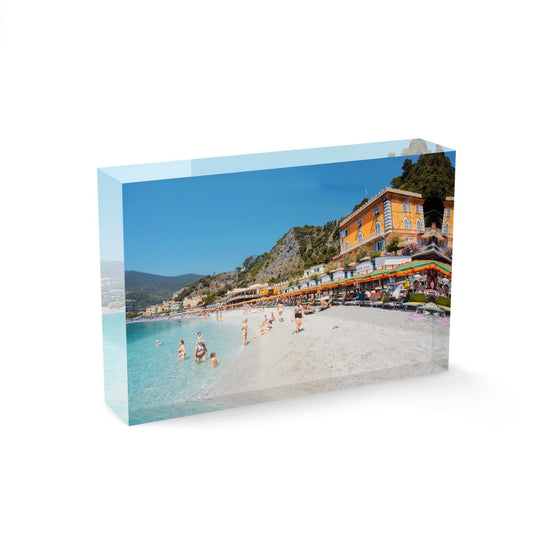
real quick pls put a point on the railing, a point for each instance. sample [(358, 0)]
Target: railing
[(366, 240)]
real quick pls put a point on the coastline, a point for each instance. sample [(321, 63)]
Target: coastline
[(368, 345)]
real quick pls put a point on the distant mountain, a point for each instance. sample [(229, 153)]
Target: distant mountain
[(144, 289)]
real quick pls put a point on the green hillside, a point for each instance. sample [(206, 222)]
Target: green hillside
[(144, 289)]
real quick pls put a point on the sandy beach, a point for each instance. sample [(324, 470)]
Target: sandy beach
[(368, 345)]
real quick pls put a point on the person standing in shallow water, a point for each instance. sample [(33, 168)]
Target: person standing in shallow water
[(244, 331), (213, 359), (200, 352), (181, 350)]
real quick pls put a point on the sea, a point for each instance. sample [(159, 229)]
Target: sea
[(159, 385)]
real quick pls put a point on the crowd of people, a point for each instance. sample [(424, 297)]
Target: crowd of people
[(430, 283)]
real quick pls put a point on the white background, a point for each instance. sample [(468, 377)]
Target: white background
[(89, 84)]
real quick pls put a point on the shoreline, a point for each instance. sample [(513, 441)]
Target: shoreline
[(368, 345)]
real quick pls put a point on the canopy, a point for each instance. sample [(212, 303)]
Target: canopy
[(416, 266)]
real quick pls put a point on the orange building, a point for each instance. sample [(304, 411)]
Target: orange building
[(448, 221), (390, 212)]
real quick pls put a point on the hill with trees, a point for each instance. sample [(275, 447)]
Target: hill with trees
[(144, 289), (299, 248), (433, 175)]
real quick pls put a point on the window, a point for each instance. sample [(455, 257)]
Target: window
[(346, 244), (417, 209), (406, 207), (406, 224), (377, 228), (447, 228), (377, 211), (345, 233), (360, 237), (418, 226), (378, 246), (359, 223), (448, 212)]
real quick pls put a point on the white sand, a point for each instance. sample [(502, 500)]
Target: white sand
[(370, 345)]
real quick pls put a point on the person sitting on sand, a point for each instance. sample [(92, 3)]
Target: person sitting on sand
[(265, 327), (244, 331), (213, 359), (200, 352), (181, 350)]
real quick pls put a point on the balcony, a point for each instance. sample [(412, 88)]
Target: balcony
[(366, 240)]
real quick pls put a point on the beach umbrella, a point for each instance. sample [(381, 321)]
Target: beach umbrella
[(413, 267)]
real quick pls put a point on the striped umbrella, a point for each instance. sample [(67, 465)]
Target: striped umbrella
[(416, 266)]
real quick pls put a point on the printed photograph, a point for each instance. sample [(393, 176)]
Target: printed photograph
[(269, 284)]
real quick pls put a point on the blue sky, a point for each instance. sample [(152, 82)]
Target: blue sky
[(210, 224)]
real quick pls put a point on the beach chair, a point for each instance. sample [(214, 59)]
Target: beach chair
[(384, 299), (443, 302), (413, 300)]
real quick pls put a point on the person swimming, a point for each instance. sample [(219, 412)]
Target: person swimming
[(213, 359)]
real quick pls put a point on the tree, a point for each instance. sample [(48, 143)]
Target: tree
[(330, 267), (393, 245), (434, 177), (361, 203), (361, 255), (248, 262), (209, 299)]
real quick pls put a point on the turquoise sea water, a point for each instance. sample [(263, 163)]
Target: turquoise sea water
[(160, 386)]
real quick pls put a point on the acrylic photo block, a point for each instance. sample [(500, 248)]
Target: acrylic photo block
[(237, 280)]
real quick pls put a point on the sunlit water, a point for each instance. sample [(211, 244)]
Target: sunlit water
[(160, 386)]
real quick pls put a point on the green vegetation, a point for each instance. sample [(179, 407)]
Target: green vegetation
[(361, 203), (211, 298), (317, 244), (434, 177), (330, 267), (361, 255), (144, 289), (393, 244)]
